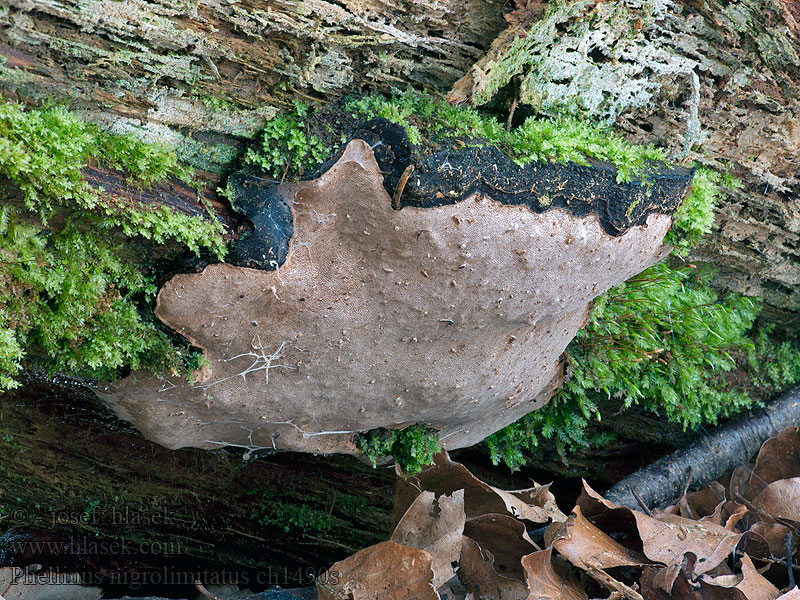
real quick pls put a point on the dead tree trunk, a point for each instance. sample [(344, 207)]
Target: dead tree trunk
[(108, 503), (205, 77)]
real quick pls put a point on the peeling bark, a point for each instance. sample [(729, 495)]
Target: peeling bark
[(204, 75), (180, 71)]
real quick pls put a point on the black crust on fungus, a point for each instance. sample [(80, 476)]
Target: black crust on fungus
[(261, 201), (453, 174)]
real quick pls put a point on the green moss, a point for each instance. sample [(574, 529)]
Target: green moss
[(300, 517), (72, 299), (412, 448), (695, 215), (429, 118), (288, 516), (775, 365), (43, 151), (662, 340), (285, 148)]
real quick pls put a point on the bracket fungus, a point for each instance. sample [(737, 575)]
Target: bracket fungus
[(452, 311)]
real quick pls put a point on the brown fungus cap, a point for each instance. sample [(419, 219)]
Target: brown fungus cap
[(455, 316)]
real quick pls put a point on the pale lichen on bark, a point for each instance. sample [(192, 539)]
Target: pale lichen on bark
[(150, 65), (714, 82)]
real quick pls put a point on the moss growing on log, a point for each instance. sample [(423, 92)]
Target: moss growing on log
[(431, 119), (695, 215), (286, 148), (412, 448), (583, 57), (664, 341), (667, 342), (44, 150), (72, 298)]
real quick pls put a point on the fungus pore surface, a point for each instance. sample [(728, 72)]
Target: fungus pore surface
[(454, 315)]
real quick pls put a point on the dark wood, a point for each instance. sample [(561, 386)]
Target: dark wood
[(72, 473), (709, 457)]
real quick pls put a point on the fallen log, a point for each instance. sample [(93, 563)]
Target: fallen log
[(709, 457), (84, 493)]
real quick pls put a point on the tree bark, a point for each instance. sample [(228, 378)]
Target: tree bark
[(118, 505), (748, 63)]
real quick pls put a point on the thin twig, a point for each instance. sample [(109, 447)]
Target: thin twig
[(641, 502), (201, 588), (688, 481), (612, 584), (773, 560), (401, 186), (513, 104)]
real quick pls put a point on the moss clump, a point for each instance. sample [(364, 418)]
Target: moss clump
[(429, 118), (71, 298), (299, 517), (286, 148), (412, 448), (695, 215), (43, 151), (775, 365), (662, 340)]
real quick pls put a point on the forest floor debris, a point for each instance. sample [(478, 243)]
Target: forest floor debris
[(456, 537)]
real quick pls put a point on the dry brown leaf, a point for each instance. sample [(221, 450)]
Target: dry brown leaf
[(17, 584), (536, 504), (750, 585), (435, 526), (755, 545), (732, 513), (665, 538), (703, 503), (671, 582), (548, 579), (385, 571), (586, 546), (773, 536), (779, 458), (739, 480), (780, 499), (657, 582), (505, 538), (709, 504), (478, 575)]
